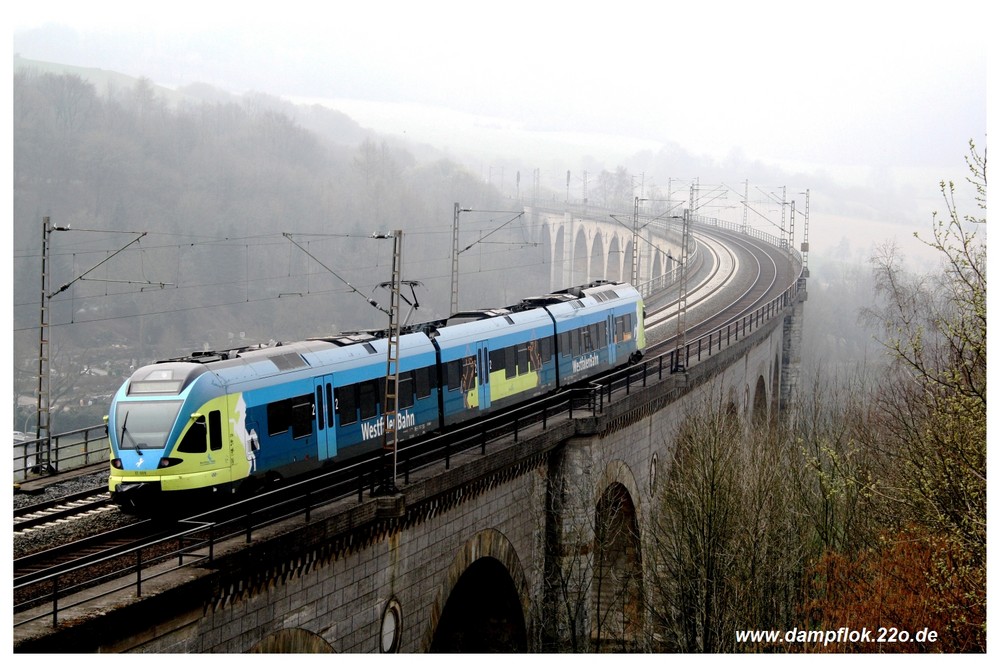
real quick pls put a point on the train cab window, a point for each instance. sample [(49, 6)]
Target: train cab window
[(194, 441), (347, 404), (215, 430), (368, 398)]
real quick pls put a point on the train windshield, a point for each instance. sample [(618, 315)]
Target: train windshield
[(143, 425)]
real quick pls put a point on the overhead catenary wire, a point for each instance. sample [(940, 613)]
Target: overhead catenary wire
[(372, 302)]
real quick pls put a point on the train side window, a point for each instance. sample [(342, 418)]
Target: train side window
[(510, 361), (454, 375), (522, 358), (368, 398), (423, 382), (602, 334), (302, 416), (469, 373), (347, 404), (406, 389), (547, 349), (215, 430), (194, 441), (279, 417), (497, 361), (594, 338)]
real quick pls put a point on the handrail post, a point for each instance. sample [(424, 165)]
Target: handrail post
[(138, 572), (55, 601)]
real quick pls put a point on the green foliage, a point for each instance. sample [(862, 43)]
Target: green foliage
[(867, 506), (926, 432)]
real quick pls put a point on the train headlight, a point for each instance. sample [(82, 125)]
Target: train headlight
[(166, 462), (117, 464)]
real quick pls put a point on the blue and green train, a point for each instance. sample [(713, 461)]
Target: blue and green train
[(216, 423)]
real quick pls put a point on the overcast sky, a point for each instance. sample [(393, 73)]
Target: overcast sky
[(855, 89)]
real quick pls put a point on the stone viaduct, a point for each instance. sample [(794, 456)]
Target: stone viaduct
[(538, 544)]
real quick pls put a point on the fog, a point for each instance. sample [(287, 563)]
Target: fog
[(866, 107), (866, 104)]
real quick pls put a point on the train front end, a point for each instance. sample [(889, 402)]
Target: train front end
[(168, 427)]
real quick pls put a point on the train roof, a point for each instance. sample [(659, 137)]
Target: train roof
[(262, 361), (355, 347)]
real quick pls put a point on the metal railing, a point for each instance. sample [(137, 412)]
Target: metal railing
[(200, 541), (61, 452)]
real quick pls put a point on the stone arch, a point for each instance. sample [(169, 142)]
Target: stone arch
[(292, 640), (759, 414), (545, 239), (617, 591), (458, 619), (614, 271), (627, 262), (598, 260), (559, 257)]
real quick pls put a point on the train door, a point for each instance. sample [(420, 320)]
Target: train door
[(326, 432), (483, 362), (610, 340)]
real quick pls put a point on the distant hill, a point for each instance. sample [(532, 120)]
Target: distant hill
[(102, 79), (329, 123)]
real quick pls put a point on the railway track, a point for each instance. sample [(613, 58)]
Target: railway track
[(67, 508), (716, 281)]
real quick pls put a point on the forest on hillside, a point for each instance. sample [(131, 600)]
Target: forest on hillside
[(221, 221)]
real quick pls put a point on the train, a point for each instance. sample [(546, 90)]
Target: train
[(222, 423)]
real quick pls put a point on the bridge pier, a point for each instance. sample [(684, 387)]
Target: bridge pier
[(569, 533), (791, 351)]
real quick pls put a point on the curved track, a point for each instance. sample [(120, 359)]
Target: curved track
[(742, 273)]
